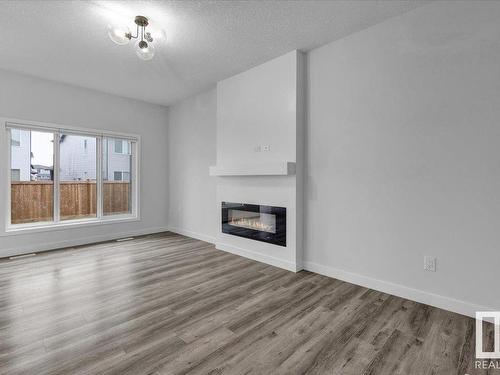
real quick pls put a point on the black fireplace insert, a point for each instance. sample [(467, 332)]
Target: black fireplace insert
[(256, 222)]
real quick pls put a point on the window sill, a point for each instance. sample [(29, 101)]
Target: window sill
[(70, 224)]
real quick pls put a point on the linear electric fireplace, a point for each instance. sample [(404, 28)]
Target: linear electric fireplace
[(257, 222)]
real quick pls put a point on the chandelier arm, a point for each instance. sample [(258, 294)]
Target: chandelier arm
[(130, 36), (141, 24)]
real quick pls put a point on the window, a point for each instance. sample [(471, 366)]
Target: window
[(15, 175), (15, 137), (117, 170), (55, 181), (32, 191), (121, 176), (121, 147), (78, 177)]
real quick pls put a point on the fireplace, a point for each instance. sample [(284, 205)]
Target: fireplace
[(256, 222)]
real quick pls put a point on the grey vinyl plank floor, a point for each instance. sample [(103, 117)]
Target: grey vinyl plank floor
[(169, 304)]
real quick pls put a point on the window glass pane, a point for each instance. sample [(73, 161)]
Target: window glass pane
[(32, 190), (78, 170), (118, 146), (117, 171)]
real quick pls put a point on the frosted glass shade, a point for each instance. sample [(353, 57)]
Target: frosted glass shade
[(118, 34), (146, 53)]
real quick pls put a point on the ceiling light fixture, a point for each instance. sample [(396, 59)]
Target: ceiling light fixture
[(122, 36)]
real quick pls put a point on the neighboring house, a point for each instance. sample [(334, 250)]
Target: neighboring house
[(20, 155), (117, 161), (42, 173), (77, 159)]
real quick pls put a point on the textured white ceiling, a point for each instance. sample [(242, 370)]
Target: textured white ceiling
[(206, 41)]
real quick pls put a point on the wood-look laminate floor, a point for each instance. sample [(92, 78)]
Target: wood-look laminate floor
[(168, 304)]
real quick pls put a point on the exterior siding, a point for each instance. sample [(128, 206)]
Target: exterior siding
[(77, 162), (114, 162), (21, 156)]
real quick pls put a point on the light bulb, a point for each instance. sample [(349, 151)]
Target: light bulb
[(119, 34), (159, 35), (144, 50)]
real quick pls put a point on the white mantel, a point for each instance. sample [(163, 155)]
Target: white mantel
[(277, 168), (260, 122)]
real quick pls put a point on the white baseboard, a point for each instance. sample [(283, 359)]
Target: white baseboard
[(290, 266), (287, 265), (446, 303), (188, 233), (77, 242), (436, 300)]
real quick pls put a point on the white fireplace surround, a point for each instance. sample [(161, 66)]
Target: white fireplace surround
[(259, 153)]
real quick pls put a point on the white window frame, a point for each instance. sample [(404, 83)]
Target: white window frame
[(57, 224)]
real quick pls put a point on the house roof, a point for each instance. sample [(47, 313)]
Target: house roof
[(39, 166)]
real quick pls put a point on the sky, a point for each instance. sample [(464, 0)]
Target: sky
[(42, 148)]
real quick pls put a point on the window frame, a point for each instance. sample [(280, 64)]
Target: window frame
[(58, 224)]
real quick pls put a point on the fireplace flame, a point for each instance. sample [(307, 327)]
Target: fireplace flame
[(252, 224)]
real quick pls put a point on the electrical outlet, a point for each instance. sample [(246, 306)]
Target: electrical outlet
[(430, 263), (266, 148)]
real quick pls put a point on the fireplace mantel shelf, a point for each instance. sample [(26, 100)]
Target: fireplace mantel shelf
[(279, 168)]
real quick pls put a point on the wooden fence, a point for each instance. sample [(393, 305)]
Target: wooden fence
[(33, 201)]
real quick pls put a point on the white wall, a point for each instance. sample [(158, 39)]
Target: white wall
[(191, 144), (403, 156), (29, 98)]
